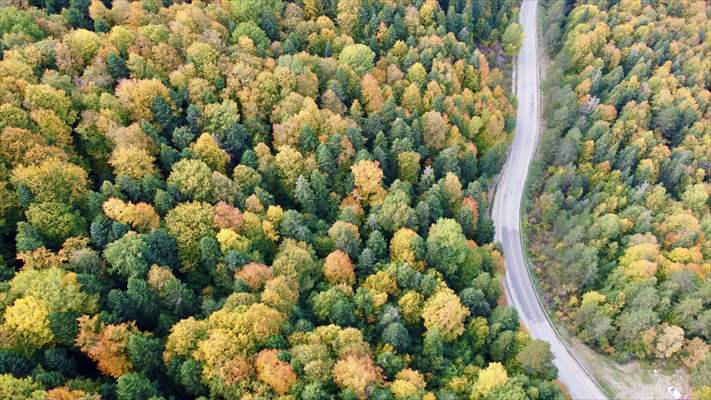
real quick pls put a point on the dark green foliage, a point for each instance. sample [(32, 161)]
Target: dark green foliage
[(60, 360), (116, 66), (77, 14), (134, 386), (506, 317), (64, 327), (396, 335), (145, 353), (12, 362), (190, 377)]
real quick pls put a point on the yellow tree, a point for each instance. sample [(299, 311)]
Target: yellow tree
[(444, 312), (53, 180), (141, 216), (188, 223), (338, 268), (368, 179), (357, 373), (27, 323), (136, 96), (493, 376), (434, 130), (372, 94), (206, 149)]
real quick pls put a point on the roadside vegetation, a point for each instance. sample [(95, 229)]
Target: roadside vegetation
[(255, 200), (619, 220)]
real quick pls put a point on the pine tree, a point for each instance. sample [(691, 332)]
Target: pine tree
[(304, 195), (116, 66)]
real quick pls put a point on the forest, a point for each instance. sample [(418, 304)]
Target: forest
[(258, 199), (619, 221)]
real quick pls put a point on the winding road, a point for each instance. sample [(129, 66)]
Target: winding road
[(506, 214)]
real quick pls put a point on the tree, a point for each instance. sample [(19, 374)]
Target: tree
[(407, 246), (490, 378), (193, 179), (257, 11), (434, 130), (56, 222), (357, 56), (207, 150), (338, 268), (46, 97), (252, 31), (12, 388), (335, 305), (670, 341), (409, 166), (346, 237), (358, 373), (446, 246), (60, 290), (396, 335), (125, 256), (281, 293), (395, 212), (134, 386), (53, 180), (140, 216), (368, 177), (512, 38), (188, 223), (132, 161), (145, 353), (27, 323), (537, 359), (105, 344), (295, 259), (136, 96), (372, 94), (274, 372), (445, 313)]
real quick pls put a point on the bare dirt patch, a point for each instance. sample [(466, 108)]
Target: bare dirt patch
[(632, 380)]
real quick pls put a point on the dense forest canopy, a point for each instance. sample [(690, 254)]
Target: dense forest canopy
[(256, 199), (620, 210)]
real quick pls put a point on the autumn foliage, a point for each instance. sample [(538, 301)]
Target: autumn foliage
[(257, 199)]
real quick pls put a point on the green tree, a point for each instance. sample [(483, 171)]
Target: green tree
[(446, 246), (357, 56), (537, 359), (193, 179), (134, 386), (125, 256), (512, 38)]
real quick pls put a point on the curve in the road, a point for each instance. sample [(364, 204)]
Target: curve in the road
[(519, 288)]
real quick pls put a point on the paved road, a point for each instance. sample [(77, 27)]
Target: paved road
[(506, 214)]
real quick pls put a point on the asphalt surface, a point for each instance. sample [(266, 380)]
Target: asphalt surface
[(506, 214)]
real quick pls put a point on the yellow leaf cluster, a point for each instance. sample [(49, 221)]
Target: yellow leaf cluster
[(357, 373), (493, 376), (141, 216), (368, 179), (27, 322), (444, 312)]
